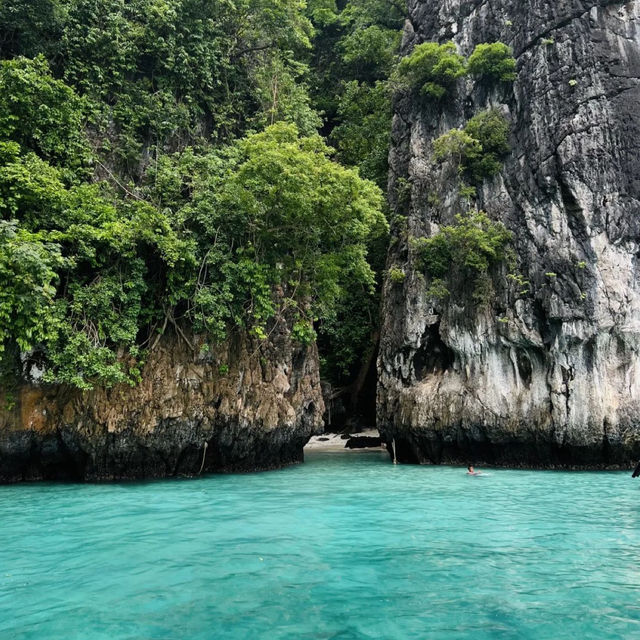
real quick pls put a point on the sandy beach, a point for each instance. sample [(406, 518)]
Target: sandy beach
[(337, 441)]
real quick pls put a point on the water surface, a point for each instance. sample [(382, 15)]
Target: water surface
[(345, 546)]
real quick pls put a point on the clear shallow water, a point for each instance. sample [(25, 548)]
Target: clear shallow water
[(343, 547)]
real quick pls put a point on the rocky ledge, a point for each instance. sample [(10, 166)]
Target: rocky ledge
[(241, 407)]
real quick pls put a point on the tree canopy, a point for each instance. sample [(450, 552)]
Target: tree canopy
[(160, 166)]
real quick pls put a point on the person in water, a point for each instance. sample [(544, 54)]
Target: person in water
[(471, 472)]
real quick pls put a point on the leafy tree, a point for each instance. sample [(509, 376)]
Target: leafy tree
[(366, 36), (370, 53), (432, 68), (291, 217), (458, 146), (362, 136), (494, 61), (283, 95)]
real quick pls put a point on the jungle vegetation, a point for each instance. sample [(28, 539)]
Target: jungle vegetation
[(191, 166), (198, 166)]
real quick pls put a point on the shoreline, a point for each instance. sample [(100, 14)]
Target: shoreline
[(337, 442)]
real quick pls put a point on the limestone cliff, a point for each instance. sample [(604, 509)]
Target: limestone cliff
[(548, 373), (254, 404)]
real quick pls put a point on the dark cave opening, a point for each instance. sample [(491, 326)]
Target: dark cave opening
[(353, 408)]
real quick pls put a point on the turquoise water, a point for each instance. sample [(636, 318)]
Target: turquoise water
[(345, 546)]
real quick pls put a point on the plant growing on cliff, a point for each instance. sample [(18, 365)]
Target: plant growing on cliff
[(28, 279), (432, 68), (397, 275), (479, 147), (494, 61), (468, 249), (491, 129), (458, 146), (40, 113)]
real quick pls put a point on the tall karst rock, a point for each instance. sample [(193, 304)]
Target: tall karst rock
[(547, 372)]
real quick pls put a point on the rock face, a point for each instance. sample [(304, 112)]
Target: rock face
[(255, 407), (548, 373)]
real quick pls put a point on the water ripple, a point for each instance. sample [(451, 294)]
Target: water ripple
[(343, 547)]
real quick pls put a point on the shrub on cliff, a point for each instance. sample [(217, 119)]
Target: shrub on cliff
[(458, 146), (464, 250), (494, 61), (28, 275), (478, 148), (491, 129), (432, 68)]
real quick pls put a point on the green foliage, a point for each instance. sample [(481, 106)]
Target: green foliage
[(520, 281), (494, 61), (303, 331), (27, 27), (438, 289), (362, 136), (433, 199), (270, 225), (467, 249), (491, 129), (355, 50), (296, 217), (458, 146), (371, 47), (135, 197), (466, 191), (479, 147), (28, 279), (432, 68), (397, 275), (165, 73), (40, 113), (283, 96), (75, 258)]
